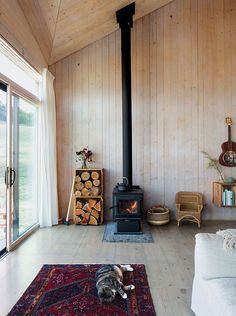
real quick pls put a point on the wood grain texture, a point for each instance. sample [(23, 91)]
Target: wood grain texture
[(81, 23), (169, 261), (183, 87), (15, 29), (42, 18), (62, 27)]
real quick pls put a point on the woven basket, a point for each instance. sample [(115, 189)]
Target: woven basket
[(158, 215)]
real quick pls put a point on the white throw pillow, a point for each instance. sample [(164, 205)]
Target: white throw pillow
[(229, 236), (211, 260)]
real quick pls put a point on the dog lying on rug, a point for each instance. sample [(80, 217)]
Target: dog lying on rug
[(109, 280)]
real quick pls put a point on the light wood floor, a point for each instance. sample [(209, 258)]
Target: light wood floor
[(169, 260)]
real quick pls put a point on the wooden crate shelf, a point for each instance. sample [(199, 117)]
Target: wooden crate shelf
[(88, 197), (218, 189)]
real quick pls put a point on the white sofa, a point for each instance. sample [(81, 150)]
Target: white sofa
[(214, 284)]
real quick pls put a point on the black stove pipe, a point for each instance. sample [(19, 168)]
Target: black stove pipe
[(124, 17)]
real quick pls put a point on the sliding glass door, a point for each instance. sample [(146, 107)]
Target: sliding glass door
[(3, 163), (20, 94), (24, 165), (18, 167)]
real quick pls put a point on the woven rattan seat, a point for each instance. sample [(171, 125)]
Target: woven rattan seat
[(189, 206)]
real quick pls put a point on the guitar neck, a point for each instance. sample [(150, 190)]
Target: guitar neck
[(229, 136)]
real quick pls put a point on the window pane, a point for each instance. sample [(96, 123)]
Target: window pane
[(14, 67), (3, 145), (24, 165)]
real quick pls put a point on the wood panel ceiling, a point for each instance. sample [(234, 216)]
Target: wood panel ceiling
[(62, 27)]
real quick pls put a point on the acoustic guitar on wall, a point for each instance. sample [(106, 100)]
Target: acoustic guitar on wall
[(228, 155)]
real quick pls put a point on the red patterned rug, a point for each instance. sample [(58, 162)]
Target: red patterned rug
[(69, 290)]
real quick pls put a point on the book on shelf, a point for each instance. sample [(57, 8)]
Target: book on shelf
[(223, 197), (228, 197)]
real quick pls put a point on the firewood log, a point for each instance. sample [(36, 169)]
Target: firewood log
[(85, 207), (96, 183), (79, 204), (79, 186), (78, 193), (94, 191), (87, 215), (92, 203), (77, 219), (88, 208), (77, 179), (88, 184), (85, 175), (95, 175), (95, 214), (79, 211), (85, 192), (98, 206), (92, 221), (84, 221)]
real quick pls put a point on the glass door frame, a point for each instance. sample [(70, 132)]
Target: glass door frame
[(3, 87), (14, 89)]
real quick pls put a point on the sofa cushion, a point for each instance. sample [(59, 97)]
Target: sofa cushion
[(223, 294), (211, 260), (214, 297)]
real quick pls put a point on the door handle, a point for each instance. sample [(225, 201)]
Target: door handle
[(6, 177), (12, 178)]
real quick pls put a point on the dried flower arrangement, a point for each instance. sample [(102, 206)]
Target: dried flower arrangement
[(214, 163), (84, 155)]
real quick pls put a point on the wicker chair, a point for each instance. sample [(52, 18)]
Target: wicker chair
[(188, 207)]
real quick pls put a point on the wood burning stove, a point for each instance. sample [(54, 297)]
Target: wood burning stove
[(128, 210), (127, 206)]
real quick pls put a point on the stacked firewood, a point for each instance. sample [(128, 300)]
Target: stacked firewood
[(88, 197), (88, 184), (88, 212)]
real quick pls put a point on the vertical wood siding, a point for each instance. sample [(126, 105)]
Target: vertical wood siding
[(183, 87)]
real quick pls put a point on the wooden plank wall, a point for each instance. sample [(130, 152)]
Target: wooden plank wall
[(15, 29), (184, 85)]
